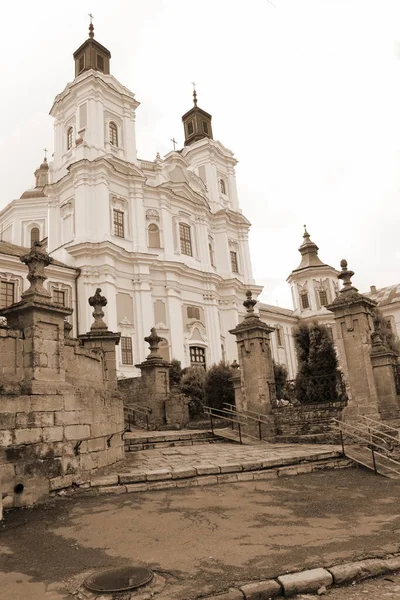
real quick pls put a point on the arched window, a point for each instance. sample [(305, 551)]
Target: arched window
[(70, 137), (222, 186), (154, 236), (113, 133), (35, 235)]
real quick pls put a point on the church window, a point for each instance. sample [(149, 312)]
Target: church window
[(323, 297), (304, 300), (193, 312), (118, 219), (81, 63), (126, 350), (205, 127), (7, 293), (222, 186), (154, 236), (59, 297), (211, 253), (35, 235), (70, 137), (113, 132), (100, 62), (279, 336), (185, 239), (197, 356), (234, 262), (190, 128)]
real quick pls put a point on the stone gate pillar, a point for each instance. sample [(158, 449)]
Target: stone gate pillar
[(43, 325), (154, 386), (256, 391), (383, 364), (353, 314)]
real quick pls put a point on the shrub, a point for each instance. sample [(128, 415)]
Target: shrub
[(316, 380), (280, 376), (175, 373), (219, 386), (192, 385)]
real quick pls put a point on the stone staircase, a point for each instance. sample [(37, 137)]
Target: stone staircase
[(149, 440)]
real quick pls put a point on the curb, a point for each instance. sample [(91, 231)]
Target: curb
[(311, 580)]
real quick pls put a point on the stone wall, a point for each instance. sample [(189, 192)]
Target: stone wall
[(51, 441), (308, 420), (130, 390)]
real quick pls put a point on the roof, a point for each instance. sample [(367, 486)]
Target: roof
[(14, 250), (287, 312), (34, 193), (386, 295)]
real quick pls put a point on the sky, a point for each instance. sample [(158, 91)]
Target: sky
[(306, 93)]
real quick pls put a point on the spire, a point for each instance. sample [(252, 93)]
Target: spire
[(92, 55), (197, 122), (309, 253), (91, 27)]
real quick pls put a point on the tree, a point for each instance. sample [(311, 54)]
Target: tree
[(192, 385), (219, 386), (175, 373), (280, 376), (317, 376), (388, 337)]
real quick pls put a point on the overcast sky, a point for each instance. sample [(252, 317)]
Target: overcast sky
[(306, 93)]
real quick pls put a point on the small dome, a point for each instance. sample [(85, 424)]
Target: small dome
[(33, 193)]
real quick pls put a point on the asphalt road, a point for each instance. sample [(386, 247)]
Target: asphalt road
[(202, 539)]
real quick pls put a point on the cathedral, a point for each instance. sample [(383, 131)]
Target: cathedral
[(164, 239)]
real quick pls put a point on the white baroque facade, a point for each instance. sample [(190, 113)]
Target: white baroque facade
[(165, 240)]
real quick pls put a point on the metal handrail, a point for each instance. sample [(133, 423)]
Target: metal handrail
[(369, 439), (258, 417), (380, 426), (139, 409), (213, 412)]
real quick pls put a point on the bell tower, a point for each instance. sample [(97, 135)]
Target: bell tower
[(197, 123), (92, 55)]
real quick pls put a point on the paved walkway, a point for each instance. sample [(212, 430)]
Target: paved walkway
[(221, 454), (202, 539)]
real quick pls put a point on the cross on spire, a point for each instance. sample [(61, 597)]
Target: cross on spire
[(194, 93), (173, 140), (91, 28), (45, 153)]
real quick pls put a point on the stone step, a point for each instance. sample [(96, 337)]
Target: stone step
[(139, 480), (148, 440)]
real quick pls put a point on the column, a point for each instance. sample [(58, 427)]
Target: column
[(353, 314)]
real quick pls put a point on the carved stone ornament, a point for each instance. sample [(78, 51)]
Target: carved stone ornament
[(249, 304), (98, 302), (36, 260), (154, 341)]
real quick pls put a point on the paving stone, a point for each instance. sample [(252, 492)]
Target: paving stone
[(227, 478), (104, 480), (183, 472), (133, 477), (208, 480), (159, 475), (358, 570), (229, 467), (305, 581), (112, 489), (207, 469), (262, 590), (161, 485), (270, 474), (136, 487), (248, 476)]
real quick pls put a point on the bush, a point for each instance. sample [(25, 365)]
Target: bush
[(280, 376), (192, 385), (316, 380), (219, 386), (175, 373)]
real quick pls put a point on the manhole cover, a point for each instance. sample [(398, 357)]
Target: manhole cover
[(118, 580)]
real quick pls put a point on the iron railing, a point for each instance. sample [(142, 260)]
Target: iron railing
[(317, 389), (370, 445), (132, 411), (242, 421)]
